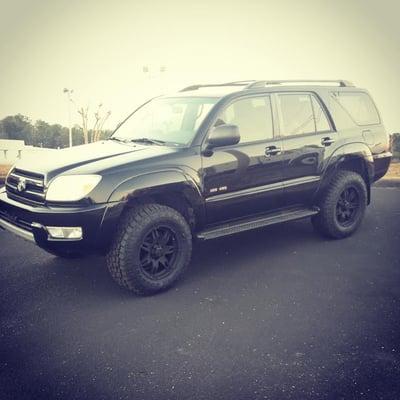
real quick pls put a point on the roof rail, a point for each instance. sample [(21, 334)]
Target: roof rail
[(261, 84), (253, 84), (237, 83)]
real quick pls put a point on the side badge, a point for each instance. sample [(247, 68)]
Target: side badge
[(220, 189)]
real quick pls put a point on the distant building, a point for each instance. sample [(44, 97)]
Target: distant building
[(13, 150)]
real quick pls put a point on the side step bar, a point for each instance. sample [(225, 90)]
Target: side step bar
[(255, 222)]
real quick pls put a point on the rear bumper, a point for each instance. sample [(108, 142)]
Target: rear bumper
[(97, 221), (381, 164)]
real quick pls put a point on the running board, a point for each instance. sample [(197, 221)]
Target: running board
[(255, 222)]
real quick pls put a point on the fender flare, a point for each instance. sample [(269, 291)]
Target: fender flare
[(161, 182), (345, 153)]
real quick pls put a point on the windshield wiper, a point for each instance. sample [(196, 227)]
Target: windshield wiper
[(117, 139), (149, 141)]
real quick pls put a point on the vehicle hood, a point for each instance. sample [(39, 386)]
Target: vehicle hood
[(84, 158)]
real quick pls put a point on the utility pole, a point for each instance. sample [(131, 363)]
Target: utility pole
[(69, 93)]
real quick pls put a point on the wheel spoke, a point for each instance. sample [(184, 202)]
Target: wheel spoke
[(145, 261), (146, 246), (165, 237), (155, 235), (155, 265), (169, 249), (164, 262)]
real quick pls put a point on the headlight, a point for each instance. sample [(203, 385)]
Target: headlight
[(71, 187)]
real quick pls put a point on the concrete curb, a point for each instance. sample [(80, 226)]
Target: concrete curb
[(390, 183)]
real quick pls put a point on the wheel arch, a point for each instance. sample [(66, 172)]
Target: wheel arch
[(356, 157), (171, 187)]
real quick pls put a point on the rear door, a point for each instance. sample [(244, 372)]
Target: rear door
[(308, 139), (245, 178)]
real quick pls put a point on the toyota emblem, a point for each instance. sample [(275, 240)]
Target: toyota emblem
[(21, 185)]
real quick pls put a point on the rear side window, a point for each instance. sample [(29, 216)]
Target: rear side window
[(359, 106), (301, 113), (253, 116)]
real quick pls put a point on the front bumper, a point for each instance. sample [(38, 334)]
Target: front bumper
[(98, 223)]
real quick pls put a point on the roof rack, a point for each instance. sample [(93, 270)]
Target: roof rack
[(237, 83), (254, 84), (261, 84)]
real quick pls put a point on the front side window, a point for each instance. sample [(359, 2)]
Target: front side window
[(359, 106), (170, 120), (253, 116), (301, 113)]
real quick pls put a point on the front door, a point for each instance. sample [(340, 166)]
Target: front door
[(246, 178)]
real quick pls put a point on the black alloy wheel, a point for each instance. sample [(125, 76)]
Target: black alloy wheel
[(158, 252), (348, 206), (342, 205), (151, 248)]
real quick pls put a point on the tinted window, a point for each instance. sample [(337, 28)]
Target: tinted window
[(321, 120), (340, 115), (301, 114), (295, 114), (253, 116), (359, 106)]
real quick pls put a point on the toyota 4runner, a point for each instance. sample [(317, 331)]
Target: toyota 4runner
[(209, 161)]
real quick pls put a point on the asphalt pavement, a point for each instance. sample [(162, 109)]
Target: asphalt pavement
[(277, 313)]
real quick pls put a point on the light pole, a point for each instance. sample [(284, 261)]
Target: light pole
[(149, 72), (69, 93)]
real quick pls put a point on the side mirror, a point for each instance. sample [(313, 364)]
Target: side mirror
[(223, 135)]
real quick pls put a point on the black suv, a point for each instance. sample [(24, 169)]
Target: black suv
[(209, 161)]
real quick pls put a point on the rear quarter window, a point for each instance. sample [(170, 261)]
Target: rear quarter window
[(359, 106)]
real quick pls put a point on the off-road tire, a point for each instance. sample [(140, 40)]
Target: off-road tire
[(123, 258), (326, 221)]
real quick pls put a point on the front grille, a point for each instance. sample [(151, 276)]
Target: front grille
[(25, 186), (14, 220)]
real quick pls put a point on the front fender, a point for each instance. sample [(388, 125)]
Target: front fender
[(159, 183)]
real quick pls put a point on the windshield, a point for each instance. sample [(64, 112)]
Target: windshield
[(170, 120)]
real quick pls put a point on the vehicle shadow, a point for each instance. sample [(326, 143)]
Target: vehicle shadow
[(241, 250), (236, 251)]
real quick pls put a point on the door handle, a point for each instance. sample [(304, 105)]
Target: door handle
[(272, 150), (327, 141)]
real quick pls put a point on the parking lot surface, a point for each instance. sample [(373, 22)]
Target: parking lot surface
[(278, 313)]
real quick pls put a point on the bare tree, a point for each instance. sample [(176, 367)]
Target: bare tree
[(100, 120), (100, 117), (93, 134), (84, 113)]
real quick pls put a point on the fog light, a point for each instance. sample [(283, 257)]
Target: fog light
[(63, 232)]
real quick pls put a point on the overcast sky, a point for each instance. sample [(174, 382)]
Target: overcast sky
[(98, 48)]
